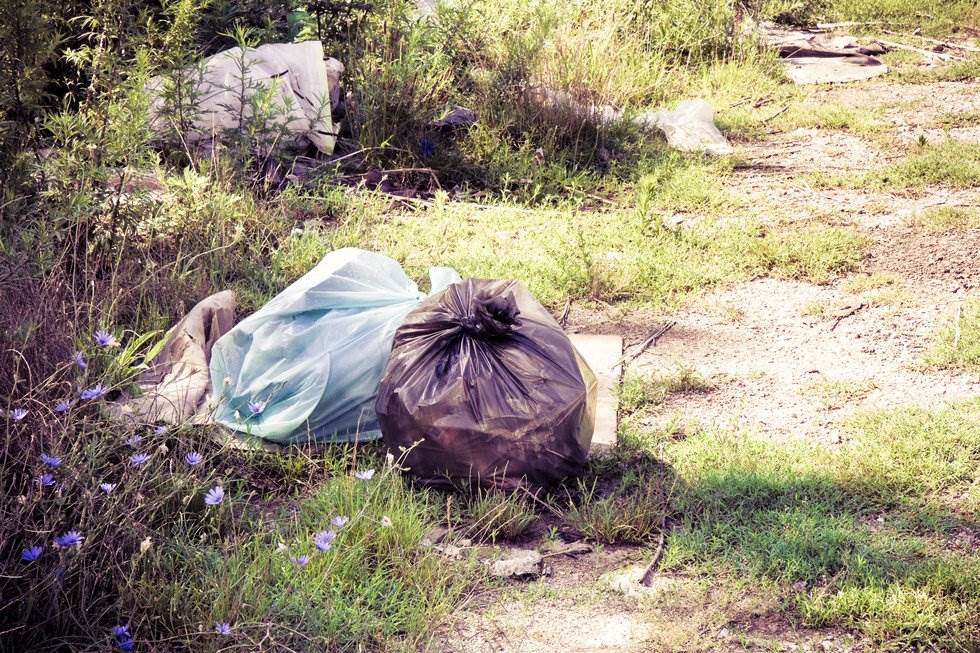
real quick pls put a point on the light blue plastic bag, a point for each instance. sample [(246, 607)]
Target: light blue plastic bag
[(309, 362)]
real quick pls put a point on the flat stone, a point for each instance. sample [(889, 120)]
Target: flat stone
[(602, 353), (517, 563)]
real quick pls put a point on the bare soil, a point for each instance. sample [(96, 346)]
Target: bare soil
[(788, 360)]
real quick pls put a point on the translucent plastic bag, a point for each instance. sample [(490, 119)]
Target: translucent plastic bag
[(484, 386), (689, 128), (306, 366)]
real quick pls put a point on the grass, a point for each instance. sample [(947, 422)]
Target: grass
[(492, 514), (954, 119), (612, 255), (836, 393), (948, 162), (958, 345), (637, 392), (376, 588), (859, 537), (833, 116), (943, 219)]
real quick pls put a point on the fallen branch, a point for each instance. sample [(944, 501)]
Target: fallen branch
[(658, 553), (652, 340), (942, 56), (945, 44)]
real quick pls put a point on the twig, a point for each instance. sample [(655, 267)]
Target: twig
[(781, 111), (945, 44), (652, 340), (942, 56), (647, 577), (657, 554), (563, 320)]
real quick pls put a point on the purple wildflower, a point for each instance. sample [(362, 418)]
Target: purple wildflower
[(160, 430), (426, 147), (94, 392), (300, 560), (80, 360), (323, 540), (222, 629), (134, 440), (214, 496), (339, 521), (63, 405), (365, 475), (193, 458), (31, 553), (105, 339), (107, 487), (18, 414), (138, 459), (46, 480), (50, 461), (121, 631), (71, 538), (256, 407), (126, 644)]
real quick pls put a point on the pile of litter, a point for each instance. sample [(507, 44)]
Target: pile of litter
[(304, 86), (475, 382), (818, 56)]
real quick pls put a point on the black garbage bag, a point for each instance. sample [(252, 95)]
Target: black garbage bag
[(483, 385)]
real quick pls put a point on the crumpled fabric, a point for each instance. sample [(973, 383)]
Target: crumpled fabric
[(177, 384), (304, 85)]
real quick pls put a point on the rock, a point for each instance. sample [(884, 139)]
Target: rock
[(517, 563), (435, 536)]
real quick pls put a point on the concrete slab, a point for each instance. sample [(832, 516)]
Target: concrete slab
[(602, 352)]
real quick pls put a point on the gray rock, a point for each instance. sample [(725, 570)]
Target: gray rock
[(517, 563)]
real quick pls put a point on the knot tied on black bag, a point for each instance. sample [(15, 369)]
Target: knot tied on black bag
[(483, 385), (490, 315)]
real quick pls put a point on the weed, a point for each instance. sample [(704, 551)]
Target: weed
[(949, 162), (633, 511), (836, 393), (858, 536), (943, 219), (958, 345), (491, 514)]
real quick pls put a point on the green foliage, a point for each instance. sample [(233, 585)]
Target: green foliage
[(858, 537), (958, 345), (492, 513), (638, 392), (374, 588)]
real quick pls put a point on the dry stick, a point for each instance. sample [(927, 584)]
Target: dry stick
[(928, 53), (564, 314), (657, 554), (947, 44), (652, 340)]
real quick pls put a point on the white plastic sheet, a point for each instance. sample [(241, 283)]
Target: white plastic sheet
[(309, 362)]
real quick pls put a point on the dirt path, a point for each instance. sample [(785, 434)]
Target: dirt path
[(788, 359), (785, 359)]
